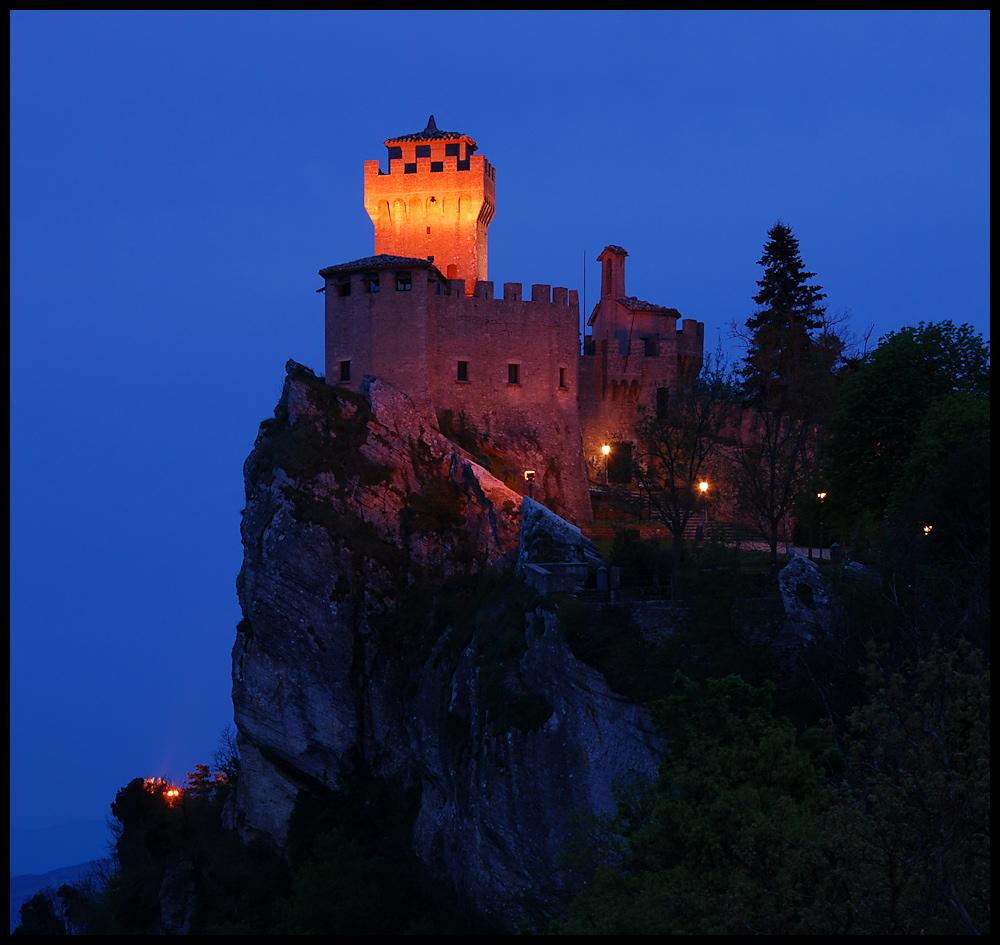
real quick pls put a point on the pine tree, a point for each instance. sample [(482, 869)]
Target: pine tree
[(788, 386), (781, 346)]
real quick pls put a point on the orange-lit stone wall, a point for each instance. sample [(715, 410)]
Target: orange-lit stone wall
[(437, 209)]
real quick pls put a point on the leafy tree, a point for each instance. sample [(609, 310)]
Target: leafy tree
[(877, 451), (680, 445), (39, 916), (913, 823), (725, 841), (746, 830)]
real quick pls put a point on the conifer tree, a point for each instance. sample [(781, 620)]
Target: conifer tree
[(781, 344), (788, 386)]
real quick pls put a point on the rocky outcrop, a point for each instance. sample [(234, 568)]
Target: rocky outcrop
[(363, 527)]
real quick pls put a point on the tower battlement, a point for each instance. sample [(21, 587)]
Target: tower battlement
[(437, 200)]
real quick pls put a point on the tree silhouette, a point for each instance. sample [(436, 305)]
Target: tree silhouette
[(781, 342)]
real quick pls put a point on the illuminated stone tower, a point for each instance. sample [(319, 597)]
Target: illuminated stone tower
[(435, 203)]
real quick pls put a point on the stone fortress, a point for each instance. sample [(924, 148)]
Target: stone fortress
[(422, 315)]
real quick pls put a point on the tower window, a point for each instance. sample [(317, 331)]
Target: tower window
[(410, 168), (513, 373), (344, 288), (371, 282), (451, 150), (463, 371), (649, 348), (395, 153), (345, 370), (562, 378), (437, 166), (404, 282), (423, 150)]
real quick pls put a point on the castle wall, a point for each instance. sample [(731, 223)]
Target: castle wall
[(382, 333), (510, 367), (621, 376)]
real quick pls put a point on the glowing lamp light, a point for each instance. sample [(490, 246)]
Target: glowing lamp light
[(703, 486), (821, 496), (529, 475), (605, 449), (927, 529)]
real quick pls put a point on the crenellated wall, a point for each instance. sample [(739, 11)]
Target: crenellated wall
[(505, 368)]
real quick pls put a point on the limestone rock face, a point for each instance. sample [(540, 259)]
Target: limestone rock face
[(809, 608), (360, 519)]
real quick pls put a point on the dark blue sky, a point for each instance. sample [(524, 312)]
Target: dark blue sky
[(177, 179)]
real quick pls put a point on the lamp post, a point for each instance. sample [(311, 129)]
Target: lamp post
[(821, 496), (529, 477), (605, 450), (703, 486)]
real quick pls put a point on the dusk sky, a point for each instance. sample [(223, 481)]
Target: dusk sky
[(177, 179)]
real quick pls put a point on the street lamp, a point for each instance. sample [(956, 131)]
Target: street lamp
[(605, 450), (529, 476), (703, 486), (821, 496)]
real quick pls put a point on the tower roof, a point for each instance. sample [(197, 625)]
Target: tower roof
[(431, 133), (614, 250)]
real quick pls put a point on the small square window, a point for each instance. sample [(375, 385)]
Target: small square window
[(410, 168), (423, 150), (371, 282), (345, 370), (513, 373), (451, 150), (404, 282), (344, 288), (463, 371), (437, 167)]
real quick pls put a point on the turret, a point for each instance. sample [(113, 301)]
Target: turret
[(436, 202)]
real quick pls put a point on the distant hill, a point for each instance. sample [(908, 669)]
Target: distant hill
[(24, 887)]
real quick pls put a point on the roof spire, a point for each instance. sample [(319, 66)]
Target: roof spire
[(431, 127)]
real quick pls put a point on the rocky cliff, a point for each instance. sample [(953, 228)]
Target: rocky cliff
[(382, 627)]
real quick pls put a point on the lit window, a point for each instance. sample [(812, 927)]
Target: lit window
[(513, 373), (345, 370), (463, 371)]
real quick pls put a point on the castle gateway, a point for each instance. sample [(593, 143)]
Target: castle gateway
[(506, 373)]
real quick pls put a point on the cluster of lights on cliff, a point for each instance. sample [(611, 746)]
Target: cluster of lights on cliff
[(171, 793)]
